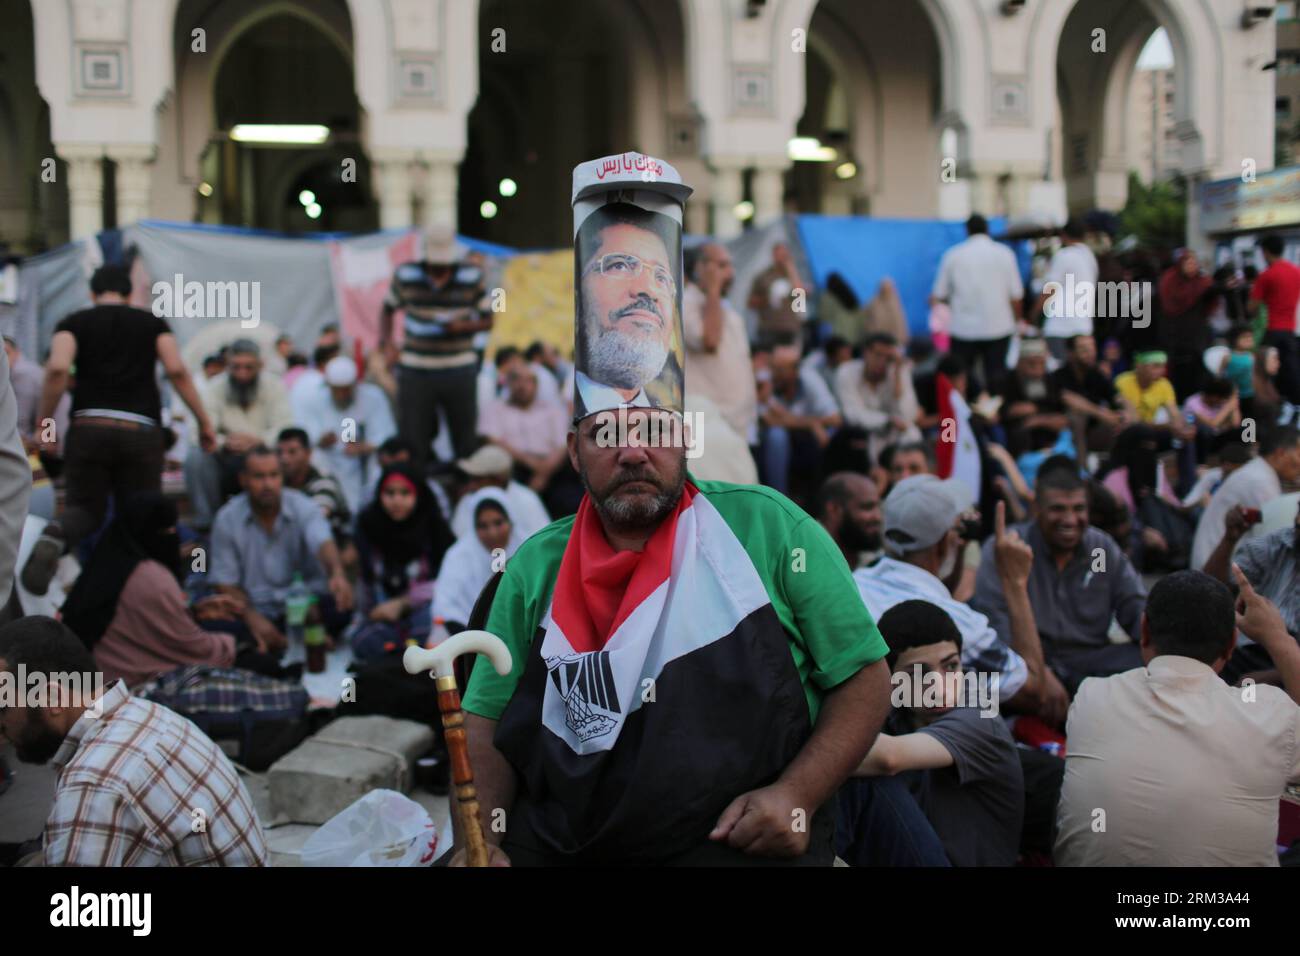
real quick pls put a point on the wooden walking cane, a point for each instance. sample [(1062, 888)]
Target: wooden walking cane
[(439, 660)]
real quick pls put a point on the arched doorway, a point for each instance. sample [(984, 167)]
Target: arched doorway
[(575, 80), (1119, 112), (870, 126), (33, 209), (242, 111)]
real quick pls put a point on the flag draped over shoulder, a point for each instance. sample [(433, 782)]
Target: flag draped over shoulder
[(957, 453), (674, 654)]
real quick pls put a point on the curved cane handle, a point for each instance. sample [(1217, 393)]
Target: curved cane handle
[(439, 659)]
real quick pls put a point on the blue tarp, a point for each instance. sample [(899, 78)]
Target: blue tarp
[(865, 250)]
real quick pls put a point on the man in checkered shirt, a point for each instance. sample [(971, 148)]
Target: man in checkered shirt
[(138, 784)]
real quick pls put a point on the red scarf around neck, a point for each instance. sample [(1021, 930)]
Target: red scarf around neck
[(598, 587)]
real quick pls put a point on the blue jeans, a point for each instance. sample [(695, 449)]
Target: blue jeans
[(879, 823)]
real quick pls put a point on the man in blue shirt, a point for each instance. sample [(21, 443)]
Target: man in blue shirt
[(262, 538)]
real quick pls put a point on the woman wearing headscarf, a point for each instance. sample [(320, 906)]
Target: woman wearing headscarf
[(128, 606), (1186, 294), (401, 540), (474, 558)]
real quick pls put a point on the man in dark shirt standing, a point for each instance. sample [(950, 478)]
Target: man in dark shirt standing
[(115, 440), (442, 308)]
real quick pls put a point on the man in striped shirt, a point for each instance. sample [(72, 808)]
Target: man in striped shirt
[(138, 785), (443, 304)]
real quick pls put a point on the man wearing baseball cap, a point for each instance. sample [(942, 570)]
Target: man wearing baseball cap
[(491, 465), (922, 515), (347, 420)]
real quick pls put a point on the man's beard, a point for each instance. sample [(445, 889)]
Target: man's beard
[(620, 360), (857, 539), (636, 514), (242, 393), (38, 744)]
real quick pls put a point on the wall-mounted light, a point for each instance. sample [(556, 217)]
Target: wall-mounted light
[(507, 187), (487, 209), (744, 211), (314, 210), (809, 149), (846, 170), (280, 134), (205, 190)]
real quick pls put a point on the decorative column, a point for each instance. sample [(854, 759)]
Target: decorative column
[(133, 182), (440, 207), (728, 188), (85, 188), (769, 190), (393, 188)]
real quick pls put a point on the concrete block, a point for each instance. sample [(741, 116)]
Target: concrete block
[(348, 758)]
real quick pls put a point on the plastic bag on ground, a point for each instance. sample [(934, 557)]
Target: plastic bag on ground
[(383, 828)]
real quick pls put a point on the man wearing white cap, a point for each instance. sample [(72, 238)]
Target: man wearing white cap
[(347, 420), (922, 514)]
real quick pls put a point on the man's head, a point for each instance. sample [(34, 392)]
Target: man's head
[(56, 658), (780, 254), (341, 377), (322, 355), (284, 346), (878, 352), (1217, 391), (922, 516), (543, 353), (977, 225), (1272, 246), (110, 285), (1032, 364), (1074, 230), (214, 365), (908, 459), (628, 295), (243, 366), (293, 449), (1150, 367), (1082, 351), (1280, 447), (394, 450), (329, 337), (1061, 500), (848, 506), (262, 479), (634, 482), (838, 351), (1190, 614), (922, 635), (715, 257), (785, 367), (521, 385), (490, 465)]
